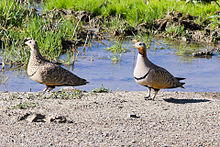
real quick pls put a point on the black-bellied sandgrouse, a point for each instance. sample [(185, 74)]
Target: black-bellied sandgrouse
[(45, 72), (152, 76)]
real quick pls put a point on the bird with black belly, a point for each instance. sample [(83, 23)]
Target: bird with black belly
[(45, 72), (152, 76)]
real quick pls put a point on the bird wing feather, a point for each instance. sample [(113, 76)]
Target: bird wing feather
[(53, 74), (160, 78)]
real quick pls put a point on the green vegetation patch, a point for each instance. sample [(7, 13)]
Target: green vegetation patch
[(24, 105), (136, 11), (117, 50), (19, 21), (64, 94), (102, 89)]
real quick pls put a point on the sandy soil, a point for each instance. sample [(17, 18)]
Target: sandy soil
[(111, 119)]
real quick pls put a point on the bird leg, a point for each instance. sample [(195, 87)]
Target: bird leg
[(48, 88), (51, 88), (148, 95), (45, 89), (155, 93)]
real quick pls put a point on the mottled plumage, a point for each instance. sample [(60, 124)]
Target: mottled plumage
[(150, 75), (45, 72)]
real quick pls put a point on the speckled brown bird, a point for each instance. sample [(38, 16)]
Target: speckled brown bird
[(152, 76), (45, 72)]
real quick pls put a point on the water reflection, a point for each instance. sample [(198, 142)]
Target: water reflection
[(96, 66)]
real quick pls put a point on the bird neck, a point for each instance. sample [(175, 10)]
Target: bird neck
[(144, 60), (35, 54), (143, 56)]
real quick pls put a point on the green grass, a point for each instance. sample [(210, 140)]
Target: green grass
[(102, 89), (24, 105), (117, 50), (48, 31), (135, 11), (11, 14), (174, 31)]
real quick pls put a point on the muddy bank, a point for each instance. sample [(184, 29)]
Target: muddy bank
[(175, 25), (185, 28), (110, 119)]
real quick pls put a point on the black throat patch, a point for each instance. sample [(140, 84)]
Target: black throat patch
[(141, 53)]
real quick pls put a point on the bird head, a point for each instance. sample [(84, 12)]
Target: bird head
[(32, 44), (141, 48)]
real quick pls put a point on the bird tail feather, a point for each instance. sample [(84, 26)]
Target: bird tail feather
[(179, 79), (182, 83)]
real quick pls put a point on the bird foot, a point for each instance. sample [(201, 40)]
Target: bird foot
[(148, 98)]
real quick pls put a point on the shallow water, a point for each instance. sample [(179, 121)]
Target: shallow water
[(94, 65)]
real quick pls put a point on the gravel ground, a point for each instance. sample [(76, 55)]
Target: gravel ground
[(110, 119)]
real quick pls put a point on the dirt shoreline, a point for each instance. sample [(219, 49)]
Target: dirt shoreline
[(111, 119)]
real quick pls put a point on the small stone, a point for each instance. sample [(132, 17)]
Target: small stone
[(59, 119), (134, 116), (33, 117)]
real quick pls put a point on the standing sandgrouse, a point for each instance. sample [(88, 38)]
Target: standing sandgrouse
[(150, 75), (45, 72)]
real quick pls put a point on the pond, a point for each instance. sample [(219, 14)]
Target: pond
[(96, 66)]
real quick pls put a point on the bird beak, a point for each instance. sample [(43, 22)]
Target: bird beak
[(26, 43), (25, 40)]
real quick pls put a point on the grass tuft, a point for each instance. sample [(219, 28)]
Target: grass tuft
[(102, 89), (117, 50), (25, 105)]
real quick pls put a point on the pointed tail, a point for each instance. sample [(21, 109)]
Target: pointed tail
[(182, 83), (179, 79)]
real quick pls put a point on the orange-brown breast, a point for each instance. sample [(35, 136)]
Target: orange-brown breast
[(142, 51)]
